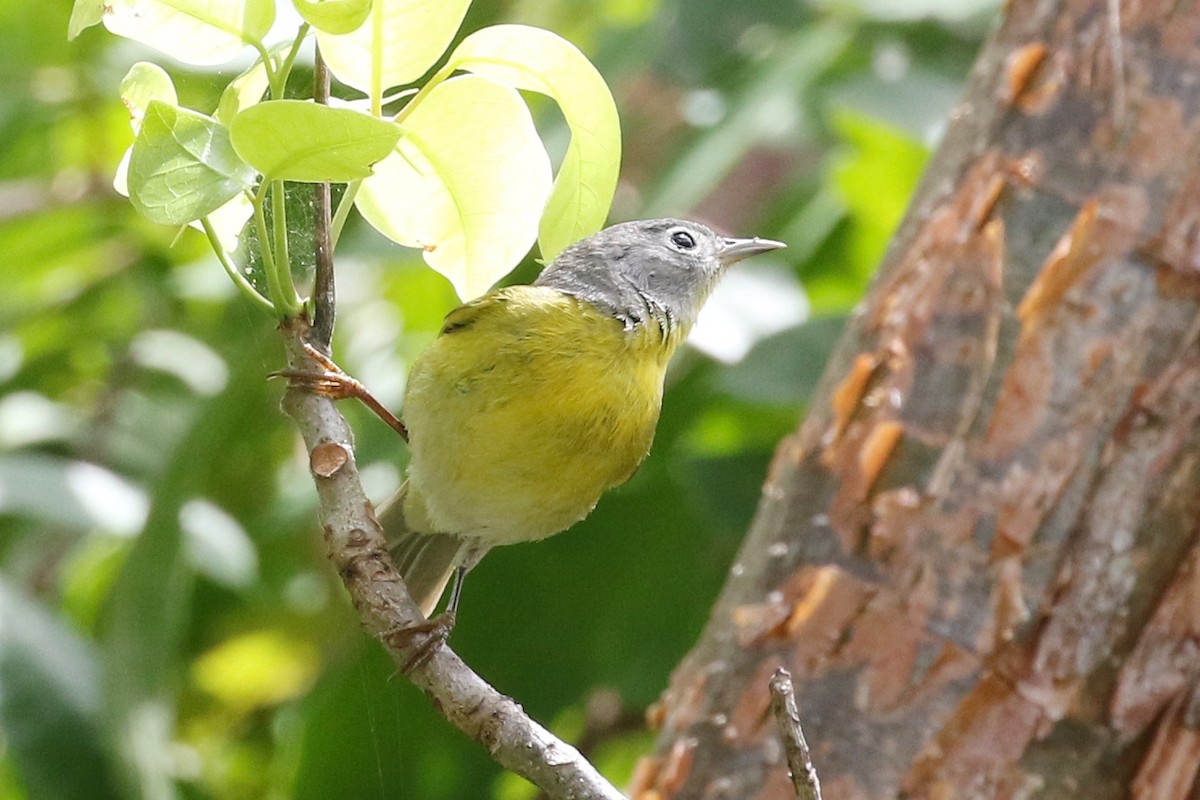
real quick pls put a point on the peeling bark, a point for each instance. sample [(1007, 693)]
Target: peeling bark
[(979, 556)]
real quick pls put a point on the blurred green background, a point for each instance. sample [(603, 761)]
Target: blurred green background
[(168, 623)]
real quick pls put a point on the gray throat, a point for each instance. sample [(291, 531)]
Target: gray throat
[(612, 293)]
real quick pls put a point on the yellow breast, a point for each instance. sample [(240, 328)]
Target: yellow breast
[(525, 410)]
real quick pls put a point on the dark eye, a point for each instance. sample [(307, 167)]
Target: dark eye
[(683, 239)]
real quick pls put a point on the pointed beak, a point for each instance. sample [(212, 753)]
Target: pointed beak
[(732, 250)]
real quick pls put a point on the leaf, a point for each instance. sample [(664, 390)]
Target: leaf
[(334, 16), (467, 185), (183, 166), (540, 61), (84, 14), (244, 91), (50, 703), (398, 43), (256, 669), (143, 83), (70, 495), (197, 32), (295, 140)]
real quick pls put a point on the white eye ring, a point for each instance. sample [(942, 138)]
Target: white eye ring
[(683, 240)]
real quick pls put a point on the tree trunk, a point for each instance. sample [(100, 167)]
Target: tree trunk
[(979, 555)]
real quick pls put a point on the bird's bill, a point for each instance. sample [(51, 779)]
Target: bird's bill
[(732, 250)]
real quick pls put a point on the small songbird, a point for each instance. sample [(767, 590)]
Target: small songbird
[(536, 399)]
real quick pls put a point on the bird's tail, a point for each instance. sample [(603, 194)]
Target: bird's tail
[(426, 560)]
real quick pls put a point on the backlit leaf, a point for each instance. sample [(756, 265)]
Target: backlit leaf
[(199, 32), (467, 185), (540, 61), (334, 16), (398, 43), (143, 83), (299, 141)]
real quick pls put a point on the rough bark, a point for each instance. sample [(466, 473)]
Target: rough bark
[(980, 554)]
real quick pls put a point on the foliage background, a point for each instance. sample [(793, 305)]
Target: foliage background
[(138, 434)]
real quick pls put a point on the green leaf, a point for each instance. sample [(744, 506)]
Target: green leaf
[(69, 495), (242, 92), (334, 16), (50, 703), (197, 32), (891, 163), (183, 166), (294, 140), (467, 185), (84, 14), (540, 61), (144, 83), (399, 42)]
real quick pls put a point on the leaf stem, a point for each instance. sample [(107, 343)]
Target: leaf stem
[(283, 262), (239, 280), (274, 289), (438, 77), (343, 210), (285, 69), (265, 56)]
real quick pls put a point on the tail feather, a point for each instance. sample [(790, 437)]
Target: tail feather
[(426, 560)]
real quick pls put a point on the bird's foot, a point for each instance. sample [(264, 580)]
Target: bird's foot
[(330, 380), (423, 639)]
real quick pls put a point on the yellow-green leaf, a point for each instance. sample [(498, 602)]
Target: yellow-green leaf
[(398, 43), (334, 16), (143, 83), (243, 91), (261, 668), (540, 61), (84, 14), (182, 166), (468, 183), (295, 140), (198, 32)]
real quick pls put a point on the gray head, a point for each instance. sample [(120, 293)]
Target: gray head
[(659, 270)]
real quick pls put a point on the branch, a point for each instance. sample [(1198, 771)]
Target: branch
[(787, 718), (323, 284), (356, 547)]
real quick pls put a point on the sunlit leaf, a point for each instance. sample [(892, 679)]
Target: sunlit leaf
[(84, 14), (468, 183), (299, 141), (144, 83), (183, 166), (398, 43), (256, 669), (540, 61), (875, 174), (199, 32), (334, 16), (50, 704), (242, 92)]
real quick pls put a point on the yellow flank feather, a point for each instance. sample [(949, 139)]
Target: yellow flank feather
[(544, 401)]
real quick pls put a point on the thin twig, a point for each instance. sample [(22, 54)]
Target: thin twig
[(787, 718), (323, 284)]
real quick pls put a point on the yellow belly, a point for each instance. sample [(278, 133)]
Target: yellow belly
[(524, 411)]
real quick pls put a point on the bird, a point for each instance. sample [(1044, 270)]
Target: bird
[(535, 399)]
